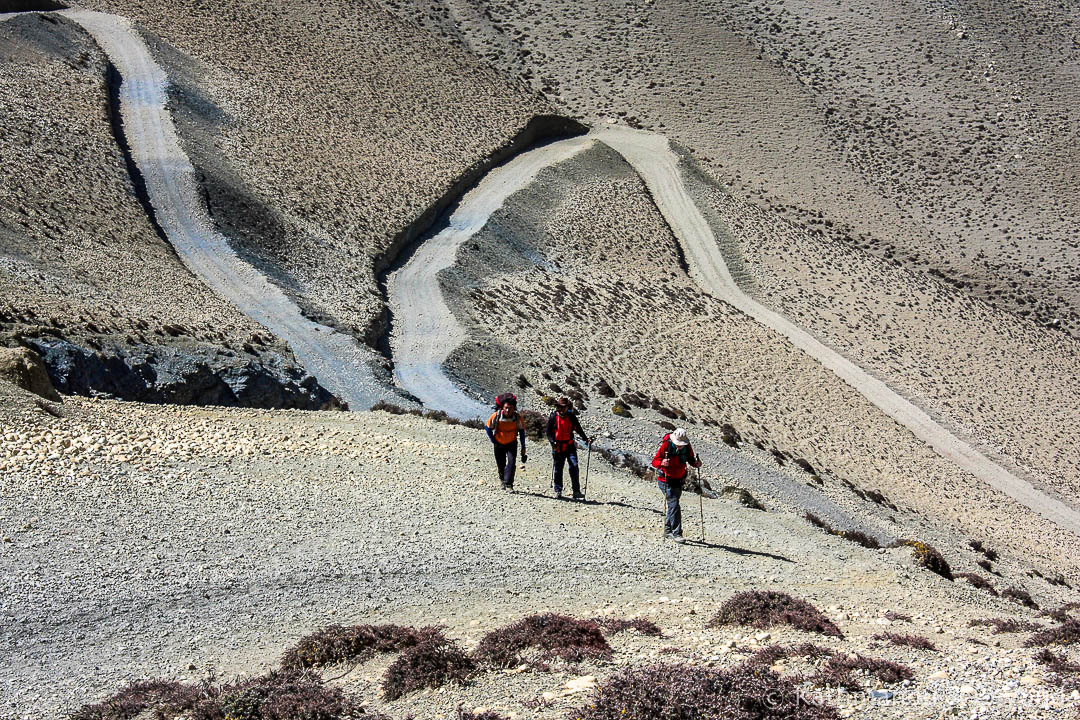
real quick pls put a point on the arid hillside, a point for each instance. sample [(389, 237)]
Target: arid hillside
[(941, 136)]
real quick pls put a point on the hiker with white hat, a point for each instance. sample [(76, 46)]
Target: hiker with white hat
[(671, 461)]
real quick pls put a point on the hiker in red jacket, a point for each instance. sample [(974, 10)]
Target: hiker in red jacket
[(671, 460), (561, 426)]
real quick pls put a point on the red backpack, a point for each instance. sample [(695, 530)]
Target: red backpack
[(505, 398)]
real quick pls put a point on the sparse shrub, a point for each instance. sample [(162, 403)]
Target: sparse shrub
[(839, 671), (670, 427), (603, 389), (985, 565), (765, 608), (729, 435), (553, 635), (535, 424), (1065, 670), (914, 641), (168, 699), (1019, 596), (1067, 633), (523, 382), (773, 653), (1060, 614), (465, 714), (805, 465), (430, 664), (337, 643), (620, 410), (1005, 625), (613, 626), (279, 695), (685, 692), (929, 558), (896, 617), (978, 581), (856, 536)]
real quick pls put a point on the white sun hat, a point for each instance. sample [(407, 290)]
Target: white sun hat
[(679, 437)]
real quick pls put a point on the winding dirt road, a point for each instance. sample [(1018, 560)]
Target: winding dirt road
[(427, 333), (341, 365)]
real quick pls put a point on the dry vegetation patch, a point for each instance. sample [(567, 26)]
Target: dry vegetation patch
[(553, 635), (765, 608)]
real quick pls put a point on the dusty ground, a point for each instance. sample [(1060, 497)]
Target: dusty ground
[(938, 135), (158, 541)]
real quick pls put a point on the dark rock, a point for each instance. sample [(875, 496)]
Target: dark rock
[(195, 375)]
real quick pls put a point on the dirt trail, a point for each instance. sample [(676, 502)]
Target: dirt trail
[(425, 331), (652, 158), (341, 365)]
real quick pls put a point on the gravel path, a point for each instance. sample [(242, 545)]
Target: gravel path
[(341, 365), (425, 332)]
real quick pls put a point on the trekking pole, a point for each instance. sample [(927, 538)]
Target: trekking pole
[(701, 505), (588, 461)]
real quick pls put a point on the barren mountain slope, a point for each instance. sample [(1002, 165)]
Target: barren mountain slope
[(323, 130), (77, 246), (942, 135), (999, 379), (155, 541), (580, 271), (85, 275)]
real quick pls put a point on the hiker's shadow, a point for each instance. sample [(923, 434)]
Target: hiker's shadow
[(589, 503), (737, 550)]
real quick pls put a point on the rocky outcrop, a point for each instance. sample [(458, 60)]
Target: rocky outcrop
[(23, 368), (196, 375)]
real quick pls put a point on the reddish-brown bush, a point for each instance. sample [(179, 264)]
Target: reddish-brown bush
[(684, 692), (1020, 596), (840, 670), (978, 581), (337, 643), (613, 626), (1006, 625), (553, 635), (914, 641), (430, 664), (929, 558), (1067, 673), (765, 608), (1067, 633), (282, 695)]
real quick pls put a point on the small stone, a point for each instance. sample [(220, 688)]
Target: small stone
[(882, 694)]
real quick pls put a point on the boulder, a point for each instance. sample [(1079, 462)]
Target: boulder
[(24, 368)]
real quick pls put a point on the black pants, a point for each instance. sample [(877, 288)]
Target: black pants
[(506, 461), (569, 456)]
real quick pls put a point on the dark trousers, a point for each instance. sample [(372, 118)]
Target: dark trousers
[(557, 460), (506, 461), (672, 490)]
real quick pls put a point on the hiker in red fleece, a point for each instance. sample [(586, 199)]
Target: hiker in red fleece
[(671, 461), (561, 426)]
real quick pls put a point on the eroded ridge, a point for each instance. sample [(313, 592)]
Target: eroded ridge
[(341, 364)]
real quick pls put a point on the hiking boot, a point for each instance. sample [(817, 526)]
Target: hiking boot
[(679, 539), (578, 496), (558, 494), (508, 488)]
